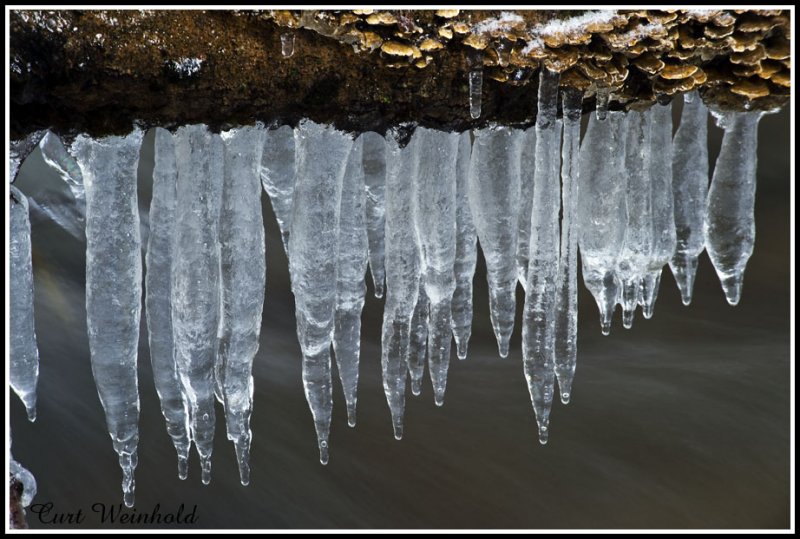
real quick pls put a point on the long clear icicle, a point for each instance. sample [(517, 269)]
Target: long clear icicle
[(196, 285), (566, 309), (114, 286), (466, 251), (418, 344), (402, 273), (159, 260), (321, 159), (494, 192), (527, 172), (538, 327), (24, 353), (374, 160), (57, 157), (637, 246), (278, 176), (662, 235), (436, 229), (601, 215), (243, 277), (730, 228), (690, 189), (352, 258)]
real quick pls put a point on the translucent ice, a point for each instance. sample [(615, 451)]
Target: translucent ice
[(24, 354), (114, 286), (527, 172), (374, 160), (730, 228), (20, 149), (538, 322), (436, 229), (475, 91), (494, 193), (690, 189), (278, 177), (466, 252), (322, 154), (601, 215), (243, 277), (418, 344), (159, 260)]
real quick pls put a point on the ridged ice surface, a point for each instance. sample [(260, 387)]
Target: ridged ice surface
[(494, 198), (196, 285), (243, 277), (322, 154), (159, 260), (24, 353), (435, 189), (352, 255), (601, 218), (114, 286), (402, 273), (538, 319), (466, 251), (413, 205), (689, 189), (730, 227), (374, 165), (277, 176)]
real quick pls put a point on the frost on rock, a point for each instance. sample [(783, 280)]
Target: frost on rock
[(196, 284), (402, 272), (322, 154), (494, 198), (466, 252), (374, 162), (601, 210), (566, 308), (114, 286), (730, 228), (352, 249), (24, 353), (538, 319), (243, 278), (159, 261), (435, 219), (278, 177), (690, 189)]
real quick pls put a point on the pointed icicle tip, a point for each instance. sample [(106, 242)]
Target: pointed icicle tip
[(544, 434), (627, 318), (183, 468), (461, 348), (128, 498), (323, 453), (32, 414), (565, 397), (205, 464), (379, 291), (732, 286), (438, 397)]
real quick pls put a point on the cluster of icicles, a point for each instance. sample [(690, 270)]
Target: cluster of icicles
[(631, 196)]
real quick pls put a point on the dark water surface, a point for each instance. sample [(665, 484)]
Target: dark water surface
[(680, 422)]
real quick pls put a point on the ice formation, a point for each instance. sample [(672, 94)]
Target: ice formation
[(413, 206)]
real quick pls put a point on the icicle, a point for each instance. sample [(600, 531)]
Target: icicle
[(418, 344), (114, 286), (19, 473), (60, 200), (494, 192), (321, 160), (196, 283), (527, 172), (159, 260), (402, 272), (566, 309), (350, 287), (601, 217), (287, 44), (663, 217), (20, 150), (374, 151), (24, 354), (602, 97), (730, 224), (436, 229), (636, 247), (243, 277), (475, 90), (690, 189), (466, 252), (538, 315), (278, 176)]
